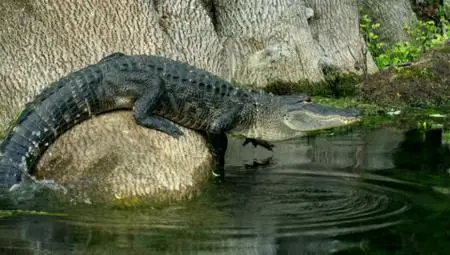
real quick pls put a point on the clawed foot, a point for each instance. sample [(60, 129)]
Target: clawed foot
[(218, 175), (160, 124), (174, 132), (256, 142)]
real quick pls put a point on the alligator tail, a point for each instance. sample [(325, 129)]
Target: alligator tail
[(55, 110)]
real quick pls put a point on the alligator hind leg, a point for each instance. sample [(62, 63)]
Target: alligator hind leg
[(148, 90), (160, 124), (143, 112)]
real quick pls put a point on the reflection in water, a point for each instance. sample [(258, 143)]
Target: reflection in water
[(371, 150), (259, 212), (423, 151), (316, 197)]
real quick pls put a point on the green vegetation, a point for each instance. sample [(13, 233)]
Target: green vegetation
[(375, 116), (370, 30), (8, 213), (425, 35), (335, 85)]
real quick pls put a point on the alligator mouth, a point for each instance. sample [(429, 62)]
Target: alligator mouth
[(314, 117), (333, 118)]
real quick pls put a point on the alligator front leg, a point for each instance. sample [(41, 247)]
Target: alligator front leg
[(218, 144), (217, 139)]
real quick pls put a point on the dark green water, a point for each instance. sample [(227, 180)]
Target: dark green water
[(372, 192)]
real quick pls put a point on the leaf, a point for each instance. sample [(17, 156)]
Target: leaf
[(437, 115)]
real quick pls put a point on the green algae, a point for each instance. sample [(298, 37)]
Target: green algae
[(334, 85), (10, 213), (376, 116)]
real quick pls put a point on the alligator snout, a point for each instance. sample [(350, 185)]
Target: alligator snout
[(313, 116)]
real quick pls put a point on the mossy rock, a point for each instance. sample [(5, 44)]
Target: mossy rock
[(423, 83), (335, 85)]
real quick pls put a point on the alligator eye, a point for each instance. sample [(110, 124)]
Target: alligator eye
[(308, 100)]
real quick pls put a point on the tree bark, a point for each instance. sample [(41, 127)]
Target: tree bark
[(270, 40), (393, 16), (267, 40), (335, 27), (188, 27)]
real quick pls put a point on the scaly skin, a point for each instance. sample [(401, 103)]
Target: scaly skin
[(160, 90)]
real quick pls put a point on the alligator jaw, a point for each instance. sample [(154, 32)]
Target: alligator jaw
[(312, 117)]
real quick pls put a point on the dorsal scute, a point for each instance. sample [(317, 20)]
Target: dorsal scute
[(112, 56)]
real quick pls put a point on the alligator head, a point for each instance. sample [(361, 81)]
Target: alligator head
[(284, 117)]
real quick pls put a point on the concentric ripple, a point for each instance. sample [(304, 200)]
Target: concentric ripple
[(319, 203), (255, 212), (277, 203)]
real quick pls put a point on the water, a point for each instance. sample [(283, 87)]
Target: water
[(373, 192)]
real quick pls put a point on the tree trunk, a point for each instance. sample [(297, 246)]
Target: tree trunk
[(267, 40), (290, 40), (335, 27), (393, 16), (187, 25)]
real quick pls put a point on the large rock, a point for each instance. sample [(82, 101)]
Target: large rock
[(122, 161)]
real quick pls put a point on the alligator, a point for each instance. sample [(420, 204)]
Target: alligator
[(161, 91)]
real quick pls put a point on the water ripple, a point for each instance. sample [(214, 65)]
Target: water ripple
[(314, 203), (254, 212)]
